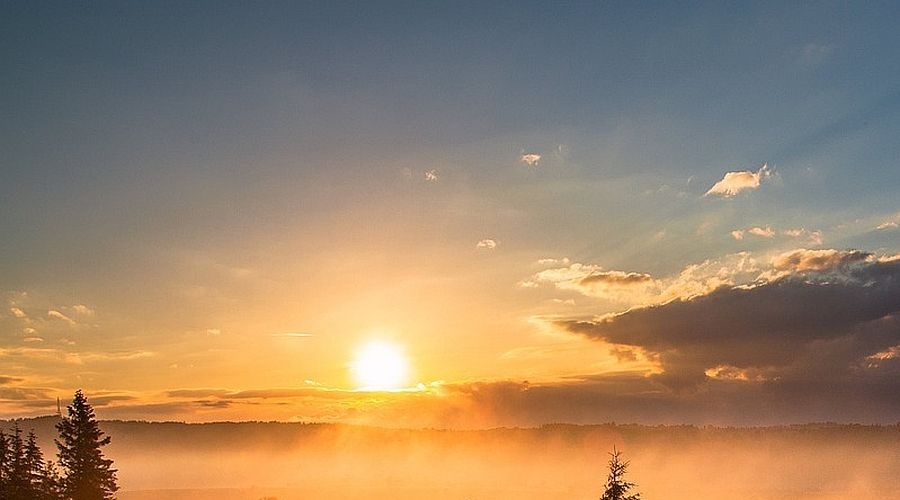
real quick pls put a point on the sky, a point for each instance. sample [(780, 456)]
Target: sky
[(535, 211)]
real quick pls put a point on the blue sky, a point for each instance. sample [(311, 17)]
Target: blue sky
[(205, 176)]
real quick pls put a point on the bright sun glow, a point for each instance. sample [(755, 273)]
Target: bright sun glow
[(380, 366)]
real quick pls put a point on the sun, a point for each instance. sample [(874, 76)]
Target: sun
[(380, 366)]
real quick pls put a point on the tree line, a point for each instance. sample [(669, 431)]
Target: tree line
[(81, 471)]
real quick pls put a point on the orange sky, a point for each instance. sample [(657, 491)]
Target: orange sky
[(554, 213)]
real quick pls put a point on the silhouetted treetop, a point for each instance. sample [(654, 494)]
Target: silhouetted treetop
[(616, 486)]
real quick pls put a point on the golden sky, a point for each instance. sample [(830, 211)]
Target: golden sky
[(434, 217)]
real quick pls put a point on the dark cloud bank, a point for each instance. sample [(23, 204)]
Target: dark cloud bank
[(816, 340)]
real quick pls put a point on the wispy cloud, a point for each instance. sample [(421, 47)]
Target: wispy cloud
[(813, 237), (734, 183), (592, 280), (53, 313), (431, 175)]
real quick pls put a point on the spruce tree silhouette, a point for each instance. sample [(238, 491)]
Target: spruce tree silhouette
[(86, 474), (616, 486), (23, 473)]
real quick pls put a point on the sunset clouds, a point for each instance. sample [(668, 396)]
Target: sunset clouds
[(570, 194), (823, 316)]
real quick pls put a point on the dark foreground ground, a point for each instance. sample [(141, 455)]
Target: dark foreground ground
[(344, 494)]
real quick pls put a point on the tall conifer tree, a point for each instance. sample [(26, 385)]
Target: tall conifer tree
[(86, 473)]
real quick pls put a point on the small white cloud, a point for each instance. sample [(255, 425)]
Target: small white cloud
[(53, 313), (290, 335), (735, 182), (763, 232), (527, 284), (83, 310), (32, 339), (737, 234), (530, 159), (486, 244), (431, 175), (29, 331), (15, 311), (213, 332)]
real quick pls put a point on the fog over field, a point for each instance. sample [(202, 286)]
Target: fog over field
[(318, 461)]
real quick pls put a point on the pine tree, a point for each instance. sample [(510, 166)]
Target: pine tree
[(87, 475), (616, 486)]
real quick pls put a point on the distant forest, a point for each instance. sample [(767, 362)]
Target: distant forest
[(256, 434), (555, 461)]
